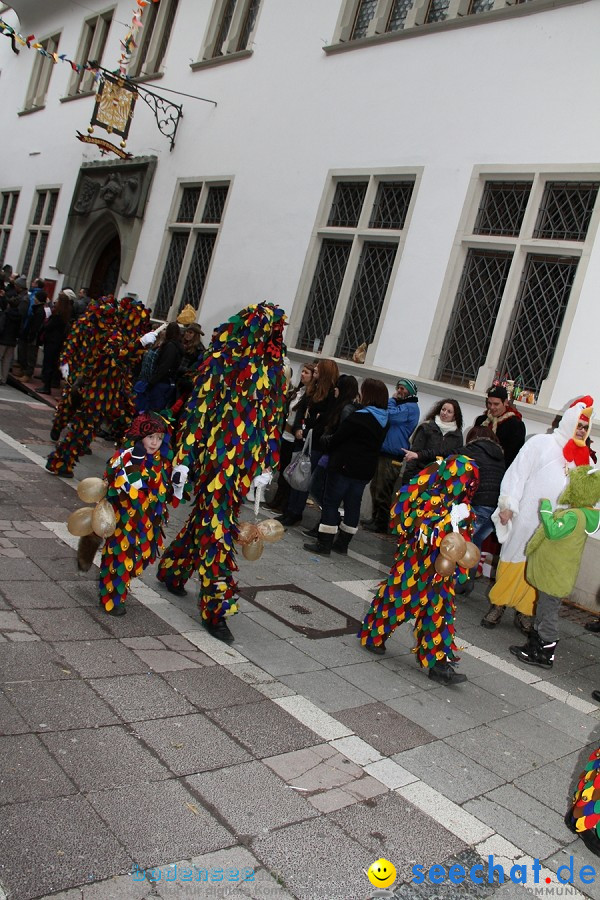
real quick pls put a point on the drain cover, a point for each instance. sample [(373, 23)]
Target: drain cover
[(303, 612)]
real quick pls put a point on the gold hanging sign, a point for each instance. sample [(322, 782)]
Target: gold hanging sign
[(113, 111)]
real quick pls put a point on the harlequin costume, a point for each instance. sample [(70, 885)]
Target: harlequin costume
[(105, 382), (138, 490), (230, 431), (539, 471), (429, 507), (554, 557), (583, 817)]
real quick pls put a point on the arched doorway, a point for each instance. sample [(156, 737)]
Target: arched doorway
[(105, 274)]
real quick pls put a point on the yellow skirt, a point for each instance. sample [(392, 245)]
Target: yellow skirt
[(511, 588)]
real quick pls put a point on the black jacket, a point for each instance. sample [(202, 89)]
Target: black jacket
[(354, 446), (511, 434), (168, 362), (429, 442), (54, 332), (490, 461), (314, 416), (12, 323)]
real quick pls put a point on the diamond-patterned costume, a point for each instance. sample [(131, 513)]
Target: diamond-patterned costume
[(422, 516), (104, 355), (230, 430), (584, 816)]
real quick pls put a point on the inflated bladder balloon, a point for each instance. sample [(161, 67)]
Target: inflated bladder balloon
[(444, 566), (271, 531), (91, 490), (453, 546), (470, 557), (103, 519), (79, 522), (253, 550), (247, 532)]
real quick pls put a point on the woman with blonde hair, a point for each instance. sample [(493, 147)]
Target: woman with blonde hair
[(313, 414)]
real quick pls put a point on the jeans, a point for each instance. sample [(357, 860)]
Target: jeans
[(483, 524), (338, 488)]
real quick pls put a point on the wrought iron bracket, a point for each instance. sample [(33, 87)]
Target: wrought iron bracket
[(167, 114)]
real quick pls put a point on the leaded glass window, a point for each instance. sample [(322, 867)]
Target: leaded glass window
[(398, 13), (38, 233), (537, 318), (39, 257), (189, 202), (502, 208), (438, 11), (234, 25), (366, 298), (170, 276), (479, 6), (347, 204), (364, 15), (24, 268), (249, 23), (391, 204), (324, 293), (194, 283), (215, 203), (566, 210), (8, 208), (474, 315)]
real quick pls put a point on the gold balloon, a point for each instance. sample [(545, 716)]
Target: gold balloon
[(90, 490), (453, 546), (444, 566), (271, 531), (79, 522), (253, 551), (247, 532), (470, 557), (103, 519)]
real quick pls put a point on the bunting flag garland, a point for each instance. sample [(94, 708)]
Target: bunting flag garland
[(230, 431), (130, 42), (414, 589)]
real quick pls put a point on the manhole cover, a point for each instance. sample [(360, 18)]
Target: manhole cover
[(312, 616)]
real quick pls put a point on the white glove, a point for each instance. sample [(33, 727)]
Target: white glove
[(458, 513), (147, 339), (264, 479), (178, 480), (64, 371)]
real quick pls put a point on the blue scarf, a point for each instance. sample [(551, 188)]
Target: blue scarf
[(381, 415)]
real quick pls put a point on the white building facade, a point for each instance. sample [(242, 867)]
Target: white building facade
[(420, 176)]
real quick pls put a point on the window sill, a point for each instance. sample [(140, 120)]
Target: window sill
[(77, 96), (32, 109), (462, 21), (221, 60), (142, 79)]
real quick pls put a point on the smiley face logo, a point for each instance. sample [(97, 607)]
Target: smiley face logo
[(381, 873)]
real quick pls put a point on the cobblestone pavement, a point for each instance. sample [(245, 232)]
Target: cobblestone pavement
[(283, 765)]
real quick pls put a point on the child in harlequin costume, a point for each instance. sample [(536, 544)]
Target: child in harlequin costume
[(540, 470), (428, 508), (583, 818), (105, 384), (230, 432), (139, 485), (553, 559)]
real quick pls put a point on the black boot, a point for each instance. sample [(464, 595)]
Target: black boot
[(219, 630), (443, 672), (536, 652), (342, 539), (311, 532), (322, 545)]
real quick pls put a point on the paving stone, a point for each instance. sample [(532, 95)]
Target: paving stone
[(529, 838), (331, 652), (278, 657), (384, 728), (10, 720), (326, 690), (69, 842), (58, 706), (139, 697), (435, 712), (264, 728), (165, 660), (546, 741), (137, 816), (174, 642), (25, 662), (20, 636), (533, 811), (250, 673), (376, 680), (85, 593), (36, 595), (315, 859), (275, 690), (48, 547), (21, 570), (449, 771), (96, 758), (12, 553), (251, 798), (392, 828), (504, 686), (498, 753), (64, 624), (65, 569), (581, 857), (97, 659), (191, 744), (143, 643), (213, 688), (201, 659), (10, 621), (28, 772), (139, 621), (550, 784), (566, 719)]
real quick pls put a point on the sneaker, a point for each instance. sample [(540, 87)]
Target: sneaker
[(493, 616)]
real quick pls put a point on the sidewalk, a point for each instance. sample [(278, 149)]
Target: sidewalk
[(293, 758)]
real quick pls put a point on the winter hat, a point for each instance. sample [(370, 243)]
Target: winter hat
[(21, 282), (147, 423), (68, 292), (408, 385), (498, 391)]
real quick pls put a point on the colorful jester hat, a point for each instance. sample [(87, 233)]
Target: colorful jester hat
[(428, 498), (145, 424), (134, 319)]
